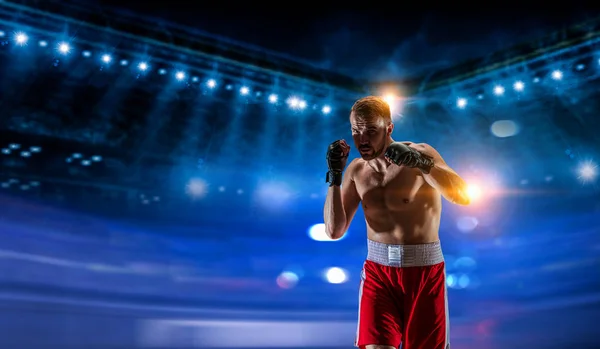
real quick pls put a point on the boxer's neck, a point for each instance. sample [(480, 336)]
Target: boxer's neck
[(380, 163)]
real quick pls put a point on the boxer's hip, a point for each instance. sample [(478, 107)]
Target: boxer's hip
[(404, 256)]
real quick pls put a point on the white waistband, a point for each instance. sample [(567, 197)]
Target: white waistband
[(405, 255)]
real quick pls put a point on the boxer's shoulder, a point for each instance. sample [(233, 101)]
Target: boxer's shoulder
[(423, 147), (354, 165)]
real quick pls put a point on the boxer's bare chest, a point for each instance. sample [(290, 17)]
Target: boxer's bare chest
[(395, 189)]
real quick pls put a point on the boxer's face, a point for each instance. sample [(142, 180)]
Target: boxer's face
[(370, 135)]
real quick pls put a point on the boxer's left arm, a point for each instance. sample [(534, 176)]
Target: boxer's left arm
[(443, 178)]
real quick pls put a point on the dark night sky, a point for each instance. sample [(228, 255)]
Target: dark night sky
[(376, 43)]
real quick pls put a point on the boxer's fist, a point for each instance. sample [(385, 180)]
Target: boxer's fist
[(403, 155), (337, 155)]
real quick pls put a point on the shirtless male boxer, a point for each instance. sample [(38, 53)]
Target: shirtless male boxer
[(402, 296)]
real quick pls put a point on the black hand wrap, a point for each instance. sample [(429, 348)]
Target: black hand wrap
[(336, 161), (403, 155), (334, 178)]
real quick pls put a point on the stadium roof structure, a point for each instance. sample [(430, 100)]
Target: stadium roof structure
[(199, 49), (569, 43)]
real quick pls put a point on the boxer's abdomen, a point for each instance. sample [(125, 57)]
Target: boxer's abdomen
[(399, 206)]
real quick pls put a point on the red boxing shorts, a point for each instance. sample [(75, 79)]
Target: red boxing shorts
[(402, 297)]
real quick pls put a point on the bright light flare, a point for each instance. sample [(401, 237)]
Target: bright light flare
[(293, 102), (296, 103), (461, 103), (143, 66), (21, 38), (474, 192), (318, 232), (196, 188), (519, 86), (390, 99), (587, 172), (394, 102), (557, 75), (336, 275), (63, 48), (498, 90)]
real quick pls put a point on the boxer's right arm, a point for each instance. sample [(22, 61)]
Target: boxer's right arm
[(341, 204)]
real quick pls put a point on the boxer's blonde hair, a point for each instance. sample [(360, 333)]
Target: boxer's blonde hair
[(372, 107)]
